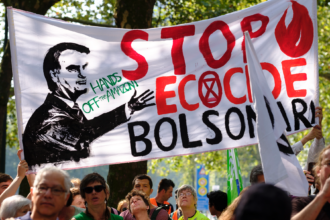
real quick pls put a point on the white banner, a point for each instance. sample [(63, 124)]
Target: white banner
[(280, 165), (89, 96)]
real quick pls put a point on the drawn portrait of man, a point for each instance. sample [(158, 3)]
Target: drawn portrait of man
[(58, 130)]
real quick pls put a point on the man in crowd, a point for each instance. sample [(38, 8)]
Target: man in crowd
[(316, 207), (217, 202), (8, 185), (50, 193), (5, 181), (143, 183), (257, 175), (164, 193)]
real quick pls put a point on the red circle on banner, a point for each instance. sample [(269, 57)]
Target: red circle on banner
[(208, 83)]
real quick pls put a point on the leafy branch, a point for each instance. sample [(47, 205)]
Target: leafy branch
[(84, 22)]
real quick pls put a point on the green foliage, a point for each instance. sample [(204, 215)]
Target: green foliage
[(168, 12), (323, 18), (213, 161), (12, 138), (97, 11)]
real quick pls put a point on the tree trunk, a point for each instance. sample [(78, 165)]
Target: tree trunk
[(120, 179), (133, 14), (5, 80), (6, 74)]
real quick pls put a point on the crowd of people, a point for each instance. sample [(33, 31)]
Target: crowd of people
[(56, 196)]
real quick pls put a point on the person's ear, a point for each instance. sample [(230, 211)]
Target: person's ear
[(53, 75), (151, 190)]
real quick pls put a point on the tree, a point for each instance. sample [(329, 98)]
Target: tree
[(129, 14), (6, 70)]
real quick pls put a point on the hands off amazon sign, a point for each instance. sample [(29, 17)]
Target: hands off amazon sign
[(90, 96)]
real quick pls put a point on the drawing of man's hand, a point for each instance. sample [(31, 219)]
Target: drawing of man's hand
[(140, 102)]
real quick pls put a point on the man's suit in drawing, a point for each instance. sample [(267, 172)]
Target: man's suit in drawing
[(56, 132)]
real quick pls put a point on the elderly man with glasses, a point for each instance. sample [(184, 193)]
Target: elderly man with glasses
[(187, 201), (50, 193)]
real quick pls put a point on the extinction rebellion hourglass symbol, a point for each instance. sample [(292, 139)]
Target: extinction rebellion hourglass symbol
[(210, 81)]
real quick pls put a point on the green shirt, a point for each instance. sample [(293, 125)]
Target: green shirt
[(197, 216), (83, 216)]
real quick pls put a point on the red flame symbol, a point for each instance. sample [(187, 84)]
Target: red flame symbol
[(299, 30)]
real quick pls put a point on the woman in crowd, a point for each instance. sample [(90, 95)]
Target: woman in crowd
[(122, 205), (78, 201), (14, 206), (93, 190), (138, 205), (187, 201)]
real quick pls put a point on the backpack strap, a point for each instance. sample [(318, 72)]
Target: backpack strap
[(155, 213)]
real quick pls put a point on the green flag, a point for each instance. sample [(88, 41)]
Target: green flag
[(234, 176)]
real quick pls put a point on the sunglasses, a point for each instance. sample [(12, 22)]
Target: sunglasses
[(97, 188)]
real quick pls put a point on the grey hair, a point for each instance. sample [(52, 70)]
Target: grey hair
[(11, 205), (192, 190), (42, 172)]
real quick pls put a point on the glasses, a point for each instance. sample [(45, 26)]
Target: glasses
[(185, 194), (97, 188), (56, 191)]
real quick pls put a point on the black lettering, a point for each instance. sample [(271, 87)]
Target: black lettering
[(134, 138), (285, 149), (174, 134), (218, 136), (300, 115), (241, 118), (270, 113), (251, 115), (288, 126), (312, 107), (184, 134)]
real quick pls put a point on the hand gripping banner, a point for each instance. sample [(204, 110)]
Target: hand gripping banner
[(89, 96)]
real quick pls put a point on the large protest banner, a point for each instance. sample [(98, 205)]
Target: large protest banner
[(89, 96)]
